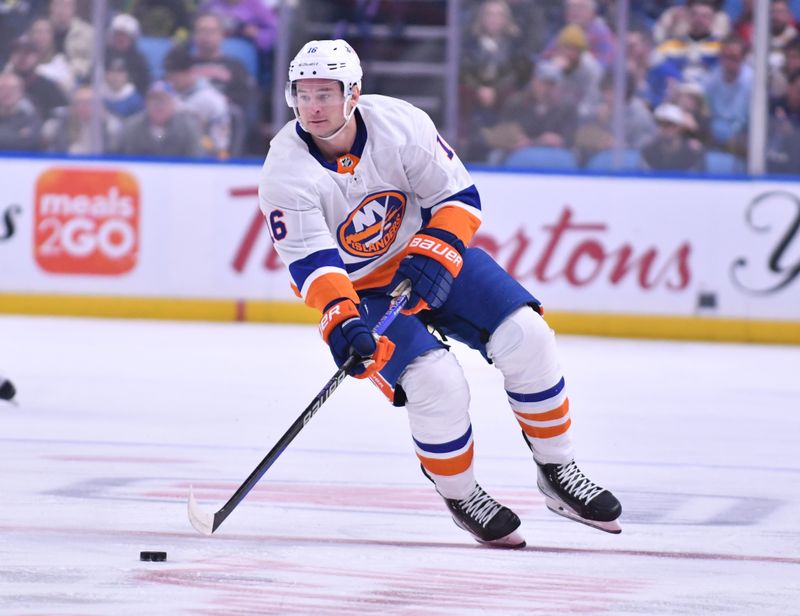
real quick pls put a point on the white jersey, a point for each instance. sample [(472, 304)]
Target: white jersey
[(356, 215)]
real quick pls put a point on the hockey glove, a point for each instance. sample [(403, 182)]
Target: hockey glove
[(347, 334), (435, 257)]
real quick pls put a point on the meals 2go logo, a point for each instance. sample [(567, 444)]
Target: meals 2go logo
[(86, 221)]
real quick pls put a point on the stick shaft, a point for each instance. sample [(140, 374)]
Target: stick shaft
[(394, 309)]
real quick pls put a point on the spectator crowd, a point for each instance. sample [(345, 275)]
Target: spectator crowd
[(537, 83), (193, 78), (179, 78)]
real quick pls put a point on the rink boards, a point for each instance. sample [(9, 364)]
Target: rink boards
[(633, 256)]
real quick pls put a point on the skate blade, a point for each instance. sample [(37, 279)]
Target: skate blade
[(553, 505), (512, 541)]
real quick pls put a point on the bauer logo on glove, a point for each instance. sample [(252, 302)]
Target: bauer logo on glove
[(434, 260), (347, 334), (441, 251)]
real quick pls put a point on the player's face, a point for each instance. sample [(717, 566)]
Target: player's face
[(320, 103)]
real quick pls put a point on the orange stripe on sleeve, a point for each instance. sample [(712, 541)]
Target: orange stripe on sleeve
[(448, 466), (556, 413), (329, 287), (457, 221), (545, 432)]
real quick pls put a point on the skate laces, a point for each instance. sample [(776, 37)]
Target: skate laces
[(480, 506), (576, 483)]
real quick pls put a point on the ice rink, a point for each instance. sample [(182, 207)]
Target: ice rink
[(116, 419)]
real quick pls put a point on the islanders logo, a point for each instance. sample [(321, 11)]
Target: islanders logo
[(372, 227)]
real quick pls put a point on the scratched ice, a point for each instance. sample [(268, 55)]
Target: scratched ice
[(118, 418)]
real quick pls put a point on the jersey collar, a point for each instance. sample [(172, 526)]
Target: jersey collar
[(346, 163)]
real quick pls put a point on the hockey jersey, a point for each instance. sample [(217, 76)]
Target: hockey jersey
[(343, 226)]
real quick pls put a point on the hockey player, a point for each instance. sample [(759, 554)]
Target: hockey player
[(360, 193)]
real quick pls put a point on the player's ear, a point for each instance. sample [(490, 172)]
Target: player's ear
[(356, 94)]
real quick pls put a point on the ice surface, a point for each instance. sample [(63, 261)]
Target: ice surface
[(117, 418)]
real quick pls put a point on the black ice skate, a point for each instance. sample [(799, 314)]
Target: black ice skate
[(489, 522), (570, 493)]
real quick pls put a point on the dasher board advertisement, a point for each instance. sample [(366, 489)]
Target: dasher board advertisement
[(642, 246)]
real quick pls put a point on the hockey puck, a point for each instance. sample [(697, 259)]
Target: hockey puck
[(7, 389), (153, 556)]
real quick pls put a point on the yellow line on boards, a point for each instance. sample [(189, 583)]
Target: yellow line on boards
[(590, 324), (118, 307), (675, 327), (280, 312)]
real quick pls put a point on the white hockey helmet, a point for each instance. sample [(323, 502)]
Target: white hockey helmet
[(326, 59)]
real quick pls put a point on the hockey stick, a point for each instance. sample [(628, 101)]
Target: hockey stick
[(206, 523)]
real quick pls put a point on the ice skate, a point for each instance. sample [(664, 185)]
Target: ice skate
[(568, 492), (489, 522)]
